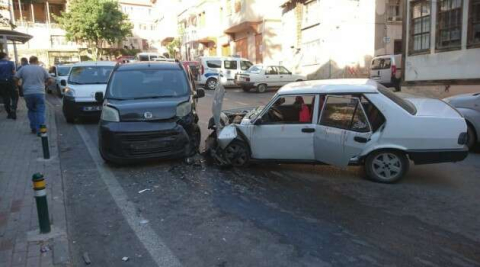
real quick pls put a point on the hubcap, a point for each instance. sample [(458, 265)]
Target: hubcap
[(387, 166), (212, 84), (236, 154)]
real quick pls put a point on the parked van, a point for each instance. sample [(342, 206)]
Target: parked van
[(387, 71), (224, 68)]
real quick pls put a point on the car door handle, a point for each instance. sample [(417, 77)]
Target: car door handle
[(360, 139), (308, 130)]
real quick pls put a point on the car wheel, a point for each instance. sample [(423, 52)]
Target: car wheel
[(261, 88), (471, 137), (386, 166), (299, 80), (246, 89), (211, 84), (68, 117), (237, 153)]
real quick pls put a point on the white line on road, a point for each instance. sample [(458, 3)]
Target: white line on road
[(241, 103), (160, 253)]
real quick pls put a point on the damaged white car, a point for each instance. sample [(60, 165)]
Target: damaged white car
[(339, 122)]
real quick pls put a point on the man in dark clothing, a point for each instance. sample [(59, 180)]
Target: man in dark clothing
[(23, 62), (7, 86)]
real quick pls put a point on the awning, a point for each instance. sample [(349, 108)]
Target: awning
[(208, 39), (167, 40), (244, 26), (16, 36)]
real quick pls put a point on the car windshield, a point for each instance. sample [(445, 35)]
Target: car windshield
[(63, 71), (255, 68), (138, 84), (403, 103), (90, 74)]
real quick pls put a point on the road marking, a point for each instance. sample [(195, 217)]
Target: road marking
[(241, 103), (160, 253)]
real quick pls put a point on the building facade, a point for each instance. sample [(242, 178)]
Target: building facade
[(338, 38)]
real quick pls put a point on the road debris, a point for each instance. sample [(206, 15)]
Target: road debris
[(86, 258), (125, 259), (144, 190)]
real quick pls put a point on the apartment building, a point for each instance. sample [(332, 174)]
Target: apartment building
[(245, 28), (167, 26), (338, 38), (442, 46)]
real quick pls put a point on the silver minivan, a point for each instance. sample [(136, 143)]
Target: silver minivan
[(387, 71)]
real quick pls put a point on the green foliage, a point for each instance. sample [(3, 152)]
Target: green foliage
[(95, 22), (173, 47)]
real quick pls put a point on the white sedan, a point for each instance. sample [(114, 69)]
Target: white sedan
[(262, 77), (340, 122)]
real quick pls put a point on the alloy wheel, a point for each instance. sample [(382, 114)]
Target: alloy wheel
[(387, 166)]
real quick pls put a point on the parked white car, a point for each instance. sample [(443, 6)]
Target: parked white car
[(59, 73), (263, 77), (387, 70), (469, 106), (85, 79), (224, 69), (340, 122)]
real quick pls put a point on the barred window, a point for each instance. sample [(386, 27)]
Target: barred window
[(420, 26), (474, 23), (449, 24)]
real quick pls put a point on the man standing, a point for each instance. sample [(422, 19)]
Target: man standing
[(7, 86), (33, 79)]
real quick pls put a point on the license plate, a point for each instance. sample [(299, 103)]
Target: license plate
[(146, 145), (96, 108)]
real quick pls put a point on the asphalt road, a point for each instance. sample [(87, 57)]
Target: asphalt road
[(265, 215)]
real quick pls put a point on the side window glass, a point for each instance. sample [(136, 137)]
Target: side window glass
[(271, 71), (290, 110), (283, 70), (374, 116), (230, 64), (245, 65), (344, 112), (215, 64)]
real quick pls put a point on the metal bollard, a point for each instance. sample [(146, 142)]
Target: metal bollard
[(41, 200), (46, 148)]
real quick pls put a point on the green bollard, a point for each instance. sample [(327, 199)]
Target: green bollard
[(44, 136), (41, 200)]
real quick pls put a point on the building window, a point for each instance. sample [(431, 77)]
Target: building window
[(310, 14), (394, 10), (474, 23), (420, 26), (449, 24)]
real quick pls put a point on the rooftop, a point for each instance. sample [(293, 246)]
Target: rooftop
[(330, 86)]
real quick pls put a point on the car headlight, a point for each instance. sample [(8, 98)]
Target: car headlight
[(110, 114), (184, 109), (69, 92)]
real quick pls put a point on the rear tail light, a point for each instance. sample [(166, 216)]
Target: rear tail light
[(394, 71)]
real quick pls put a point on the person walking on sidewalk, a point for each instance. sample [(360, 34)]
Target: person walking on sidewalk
[(7, 86), (34, 79)]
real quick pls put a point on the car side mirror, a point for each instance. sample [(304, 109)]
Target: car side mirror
[(63, 83), (99, 96), (259, 121), (200, 93)]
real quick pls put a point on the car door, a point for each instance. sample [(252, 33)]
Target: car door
[(285, 76), (380, 70), (343, 130), (231, 69), (288, 139), (271, 76)]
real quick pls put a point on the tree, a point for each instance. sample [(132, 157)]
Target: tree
[(173, 47), (95, 22)]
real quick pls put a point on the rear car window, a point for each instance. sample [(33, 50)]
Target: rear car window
[(132, 84), (215, 64), (403, 103), (90, 74), (381, 63), (143, 58), (230, 64), (245, 65)]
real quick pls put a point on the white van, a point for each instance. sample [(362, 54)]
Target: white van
[(224, 68), (387, 71)]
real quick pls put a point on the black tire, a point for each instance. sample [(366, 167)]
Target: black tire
[(262, 88), (472, 137), (246, 89), (386, 166), (237, 153), (69, 119), (211, 84)]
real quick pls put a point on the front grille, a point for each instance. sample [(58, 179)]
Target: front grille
[(150, 144)]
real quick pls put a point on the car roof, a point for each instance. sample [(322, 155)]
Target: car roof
[(339, 86), (95, 63), (224, 58), (157, 65)]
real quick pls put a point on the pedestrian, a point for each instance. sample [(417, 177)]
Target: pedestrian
[(7, 86), (23, 62), (34, 79)]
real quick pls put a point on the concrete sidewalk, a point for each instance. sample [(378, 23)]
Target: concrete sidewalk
[(20, 157)]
